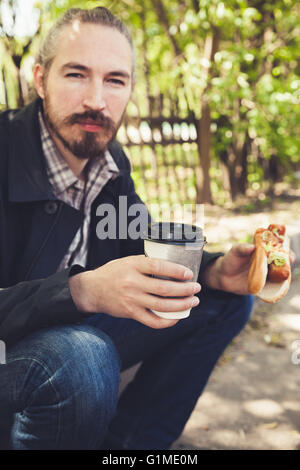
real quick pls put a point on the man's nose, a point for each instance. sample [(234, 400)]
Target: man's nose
[(94, 98)]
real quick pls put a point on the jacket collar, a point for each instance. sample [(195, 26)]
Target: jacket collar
[(27, 175), (28, 180)]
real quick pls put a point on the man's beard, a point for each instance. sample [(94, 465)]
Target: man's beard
[(90, 145)]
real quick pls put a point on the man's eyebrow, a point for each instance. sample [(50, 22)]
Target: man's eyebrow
[(75, 65), (119, 73)]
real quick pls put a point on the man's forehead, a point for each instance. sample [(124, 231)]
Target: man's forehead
[(78, 31), (88, 40)]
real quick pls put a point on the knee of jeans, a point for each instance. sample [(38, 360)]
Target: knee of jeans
[(241, 307), (225, 308), (247, 305), (94, 369), (74, 365)]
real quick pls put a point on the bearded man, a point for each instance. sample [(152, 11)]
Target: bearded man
[(75, 310)]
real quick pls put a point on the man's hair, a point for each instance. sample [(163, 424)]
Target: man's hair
[(98, 15)]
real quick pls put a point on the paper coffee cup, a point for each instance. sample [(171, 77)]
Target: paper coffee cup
[(179, 243)]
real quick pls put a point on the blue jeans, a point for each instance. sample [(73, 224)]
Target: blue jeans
[(59, 388)]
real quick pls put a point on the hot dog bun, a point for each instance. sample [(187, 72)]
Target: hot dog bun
[(270, 281), (258, 270), (274, 291)]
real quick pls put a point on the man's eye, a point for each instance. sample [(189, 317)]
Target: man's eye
[(75, 75), (115, 81)]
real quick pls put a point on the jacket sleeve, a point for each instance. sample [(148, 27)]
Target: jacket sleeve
[(35, 304)]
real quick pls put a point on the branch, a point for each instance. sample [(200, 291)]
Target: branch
[(162, 16), (196, 5), (211, 46)]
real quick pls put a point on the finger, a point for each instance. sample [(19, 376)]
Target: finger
[(152, 320), (165, 304), (166, 288), (161, 267)]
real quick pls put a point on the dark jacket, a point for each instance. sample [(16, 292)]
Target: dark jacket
[(36, 230)]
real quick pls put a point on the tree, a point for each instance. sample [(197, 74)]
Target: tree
[(232, 66), (14, 50)]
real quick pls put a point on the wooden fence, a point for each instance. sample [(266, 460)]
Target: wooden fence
[(164, 157)]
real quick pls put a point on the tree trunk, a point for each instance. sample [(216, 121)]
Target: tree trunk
[(274, 168), (5, 89), (233, 168), (243, 182), (204, 146), (204, 133), (20, 99), (225, 172)]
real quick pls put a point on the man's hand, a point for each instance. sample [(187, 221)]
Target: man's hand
[(230, 272), (125, 288)]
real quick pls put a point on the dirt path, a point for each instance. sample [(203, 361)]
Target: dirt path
[(252, 400)]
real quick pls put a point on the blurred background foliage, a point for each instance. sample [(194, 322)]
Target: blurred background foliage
[(215, 113)]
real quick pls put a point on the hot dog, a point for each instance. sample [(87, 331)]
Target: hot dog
[(270, 270)]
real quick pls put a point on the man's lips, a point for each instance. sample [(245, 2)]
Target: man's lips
[(90, 126)]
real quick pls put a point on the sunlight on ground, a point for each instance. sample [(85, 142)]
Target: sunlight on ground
[(280, 438), (290, 320), (291, 405), (228, 438), (211, 409), (263, 408), (295, 302)]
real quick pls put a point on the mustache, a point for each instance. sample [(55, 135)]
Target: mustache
[(93, 117)]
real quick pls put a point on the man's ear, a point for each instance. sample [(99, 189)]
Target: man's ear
[(38, 77)]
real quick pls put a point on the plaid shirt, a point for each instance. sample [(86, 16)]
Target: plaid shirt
[(75, 192)]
